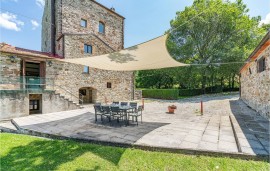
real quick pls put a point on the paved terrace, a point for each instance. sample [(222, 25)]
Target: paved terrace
[(227, 126)]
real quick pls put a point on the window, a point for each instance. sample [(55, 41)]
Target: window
[(101, 27), (261, 65), (86, 69), (87, 49), (109, 85), (34, 104), (83, 23)]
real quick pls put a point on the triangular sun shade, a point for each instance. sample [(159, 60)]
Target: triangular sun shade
[(152, 54)]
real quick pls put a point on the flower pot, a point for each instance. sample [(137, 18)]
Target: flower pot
[(171, 110)]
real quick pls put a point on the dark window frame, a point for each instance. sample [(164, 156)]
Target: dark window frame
[(103, 27), (261, 64), (34, 104), (88, 49), (109, 85), (83, 23)]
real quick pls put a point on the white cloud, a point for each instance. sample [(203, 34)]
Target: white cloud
[(34, 24), (9, 21), (40, 3), (266, 20)]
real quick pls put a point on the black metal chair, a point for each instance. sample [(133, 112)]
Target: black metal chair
[(97, 104), (124, 103), (107, 112), (115, 103), (137, 113), (98, 111), (133, 105), (116, 113)]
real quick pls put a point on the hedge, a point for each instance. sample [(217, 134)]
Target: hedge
[(168, 94), (190, 92)]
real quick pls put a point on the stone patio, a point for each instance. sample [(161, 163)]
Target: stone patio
[(227, 126)]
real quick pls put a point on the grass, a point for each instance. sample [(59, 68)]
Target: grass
[(21, 152)]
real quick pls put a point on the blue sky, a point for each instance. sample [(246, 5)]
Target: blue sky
[(20, 20)]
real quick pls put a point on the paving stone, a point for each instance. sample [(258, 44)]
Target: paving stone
[(189, 145), (204, 145), (227, 146), (227, 138), (184, 129), (210, 138), (210, 132), (193, 138)]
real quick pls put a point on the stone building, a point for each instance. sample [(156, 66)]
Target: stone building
[(255, 78), (70, 29)]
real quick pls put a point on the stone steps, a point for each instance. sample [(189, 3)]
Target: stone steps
[(8, 126), (58, 93)]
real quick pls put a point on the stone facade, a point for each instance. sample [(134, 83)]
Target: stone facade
[(9, 73), (71, 77), (255, 86), (63, 36), (65, 16), (69, 40)]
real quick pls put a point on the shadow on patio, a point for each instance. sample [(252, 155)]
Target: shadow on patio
[(251, 129), (83, 127)]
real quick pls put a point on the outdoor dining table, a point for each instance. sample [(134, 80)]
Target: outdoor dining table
[(125, 110)]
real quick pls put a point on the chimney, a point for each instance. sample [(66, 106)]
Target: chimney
[(112, 8)]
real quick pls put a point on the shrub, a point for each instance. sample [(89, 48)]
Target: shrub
[(168, 94), (190, 92)]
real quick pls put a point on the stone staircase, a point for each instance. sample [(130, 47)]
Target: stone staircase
[(69, 97)]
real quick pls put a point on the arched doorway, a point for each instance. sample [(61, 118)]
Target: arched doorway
[(88, 94)]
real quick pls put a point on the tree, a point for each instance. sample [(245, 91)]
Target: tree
[(214, 31)]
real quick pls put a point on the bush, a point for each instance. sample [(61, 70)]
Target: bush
[(168, 94), (190, 92)]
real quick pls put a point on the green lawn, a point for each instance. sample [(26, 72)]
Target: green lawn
[(20, 152)]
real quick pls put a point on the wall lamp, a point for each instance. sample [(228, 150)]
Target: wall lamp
[(50, 63), (12, 59)]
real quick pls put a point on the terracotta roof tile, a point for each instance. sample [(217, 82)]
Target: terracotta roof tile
[(6, 48)]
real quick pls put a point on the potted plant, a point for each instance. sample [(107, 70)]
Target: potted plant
[(171, 109)]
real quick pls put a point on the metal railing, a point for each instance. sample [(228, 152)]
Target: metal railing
[(68, 94), (29, 83)]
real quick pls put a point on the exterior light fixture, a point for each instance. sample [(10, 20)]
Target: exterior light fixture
[(50, 63), (12, 59)]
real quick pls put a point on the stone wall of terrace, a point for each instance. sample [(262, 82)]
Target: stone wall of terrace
[(255, 87)]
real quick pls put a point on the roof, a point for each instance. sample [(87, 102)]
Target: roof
[(107, 8), (265, 42), (152, 54), (6, 48)]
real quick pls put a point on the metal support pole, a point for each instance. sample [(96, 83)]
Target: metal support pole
[(143, 103), (201, 107)]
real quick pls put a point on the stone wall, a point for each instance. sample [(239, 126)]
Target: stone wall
[(138, 95), (255, 87), (15, 103), (9, 72), (74, 46), (71, 77), (46, 43), (74, 11)]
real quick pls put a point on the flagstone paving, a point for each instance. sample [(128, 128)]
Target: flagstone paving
[(227, 126)]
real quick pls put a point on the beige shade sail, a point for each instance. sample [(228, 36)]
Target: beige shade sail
[(149, 55)]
